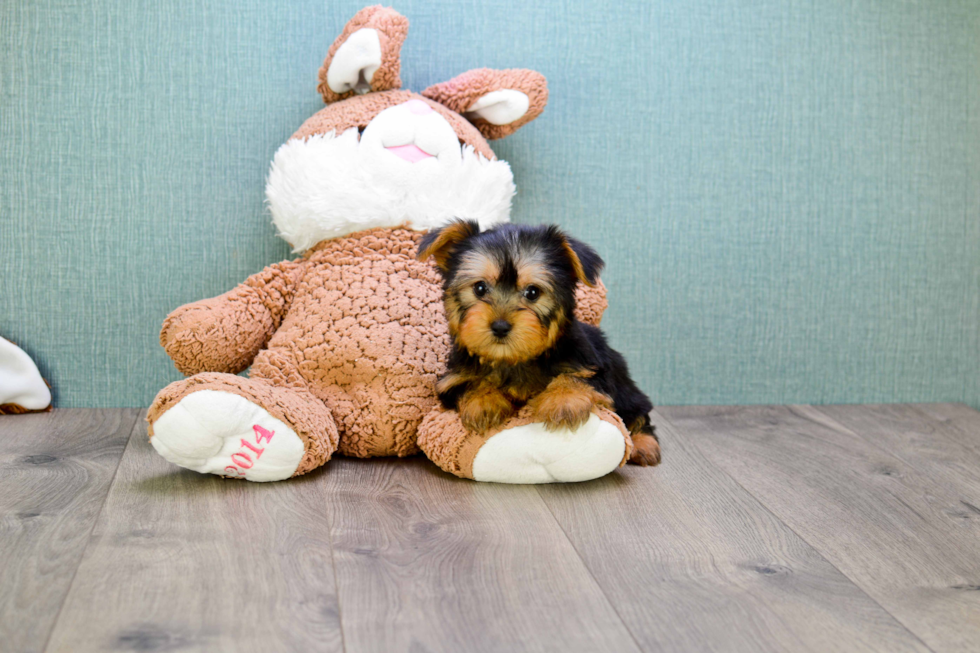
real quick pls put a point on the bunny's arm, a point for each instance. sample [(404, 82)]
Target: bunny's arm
[(224, 333)]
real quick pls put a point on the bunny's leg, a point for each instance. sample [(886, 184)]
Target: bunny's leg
[(524, 451), (232, 426)]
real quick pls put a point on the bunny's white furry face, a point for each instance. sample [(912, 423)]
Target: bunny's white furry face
[(408, 167)]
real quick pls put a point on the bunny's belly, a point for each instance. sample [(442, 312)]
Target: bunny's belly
[(367, 334)]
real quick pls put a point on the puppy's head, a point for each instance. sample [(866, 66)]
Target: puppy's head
[(509, 291)]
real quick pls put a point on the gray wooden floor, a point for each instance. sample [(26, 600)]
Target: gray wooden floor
[(786, 528)]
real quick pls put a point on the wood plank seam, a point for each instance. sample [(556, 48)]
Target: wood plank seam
[(88, 538), (336, 583), (427, 561), (940, 434), (585, 565), (815, 547), (266, 545), (947, 423)]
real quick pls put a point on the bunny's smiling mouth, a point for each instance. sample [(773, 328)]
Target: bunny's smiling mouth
[(411, 152)]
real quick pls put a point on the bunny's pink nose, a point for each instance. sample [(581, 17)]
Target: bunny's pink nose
[(418, 107)]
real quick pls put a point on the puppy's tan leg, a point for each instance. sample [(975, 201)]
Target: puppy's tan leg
[(567, 402), (484, 407)]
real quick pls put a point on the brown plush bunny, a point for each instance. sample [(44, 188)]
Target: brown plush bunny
[(344, 343)]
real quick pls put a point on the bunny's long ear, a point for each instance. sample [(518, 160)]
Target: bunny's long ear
[(366, 56), (497, 102)]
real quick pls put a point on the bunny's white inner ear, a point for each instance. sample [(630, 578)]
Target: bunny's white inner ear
[(499, 107), (355, 62)]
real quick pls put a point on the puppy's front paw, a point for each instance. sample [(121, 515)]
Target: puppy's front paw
[(483, 409), (566, 403), (557, 416), (646, 450)]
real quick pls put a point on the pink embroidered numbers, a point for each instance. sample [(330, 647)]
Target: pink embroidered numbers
[(243, 458), (262, 433)]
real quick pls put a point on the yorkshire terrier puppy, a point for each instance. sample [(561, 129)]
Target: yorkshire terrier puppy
[(510, 299)]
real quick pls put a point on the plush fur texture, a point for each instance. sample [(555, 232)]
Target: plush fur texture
[(509, 295), (328, 186), (464, 91), (358, 112)]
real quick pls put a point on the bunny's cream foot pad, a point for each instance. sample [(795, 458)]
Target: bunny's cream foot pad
[(215, 432), (533, 454)]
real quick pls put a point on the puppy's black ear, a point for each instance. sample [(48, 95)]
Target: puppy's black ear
[(440, 243), (585, 261)]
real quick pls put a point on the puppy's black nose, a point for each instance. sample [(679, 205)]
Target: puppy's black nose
[(500, 328)]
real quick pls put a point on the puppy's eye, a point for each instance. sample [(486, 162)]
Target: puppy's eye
[(480, 289), (531, 293)]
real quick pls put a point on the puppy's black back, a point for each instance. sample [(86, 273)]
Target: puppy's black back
[(612, 376)]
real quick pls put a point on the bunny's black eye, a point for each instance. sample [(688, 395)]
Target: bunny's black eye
[(480, 289), (531, 293)]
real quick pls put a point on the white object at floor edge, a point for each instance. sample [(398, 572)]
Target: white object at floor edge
[(20, 380)]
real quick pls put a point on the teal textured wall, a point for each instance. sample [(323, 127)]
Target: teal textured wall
[(787, 193)]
